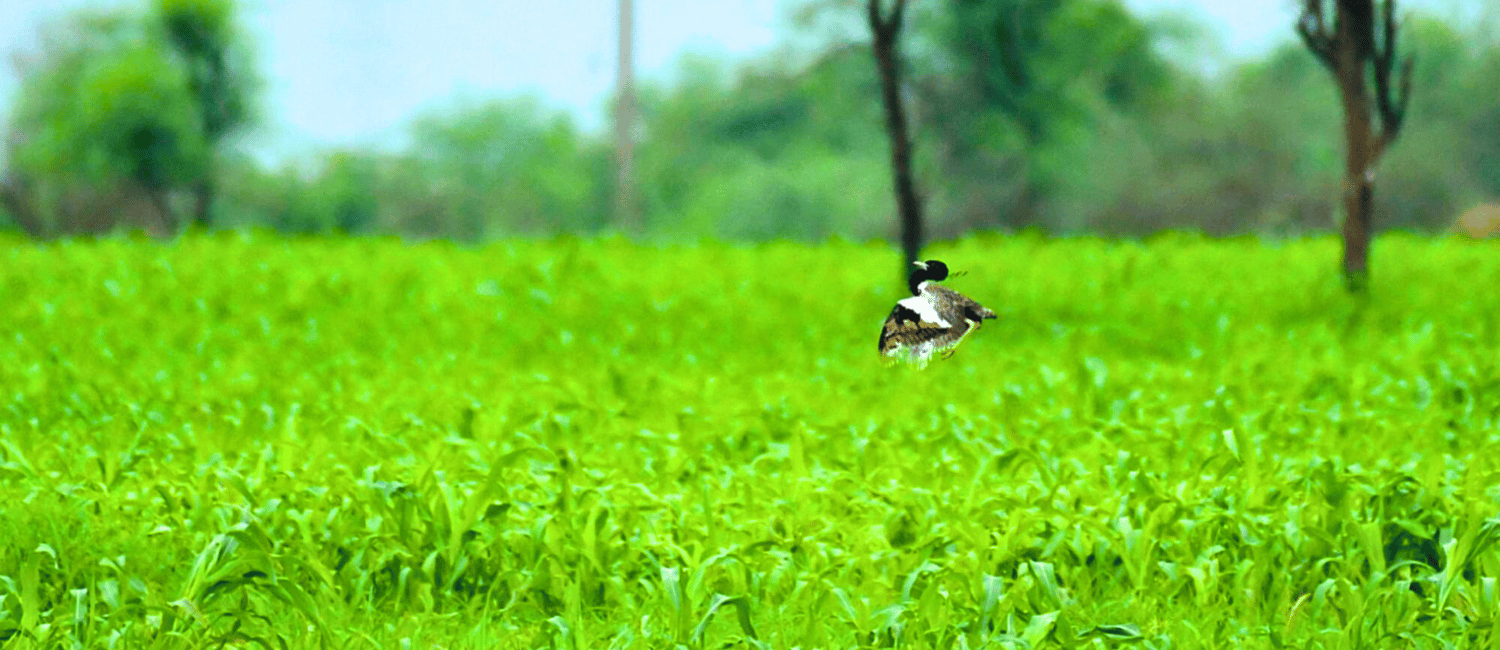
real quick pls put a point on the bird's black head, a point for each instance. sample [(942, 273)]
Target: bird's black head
[(928, 270)]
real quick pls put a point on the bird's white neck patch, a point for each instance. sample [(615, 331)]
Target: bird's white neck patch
[(922, 286), (925, 310)]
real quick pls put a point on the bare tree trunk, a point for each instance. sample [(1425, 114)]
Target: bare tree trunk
[(1348, 48), (887, 34), (626, 212), (1358, 185), (17, 195), (20, 203), (168, 221), (203, 197)]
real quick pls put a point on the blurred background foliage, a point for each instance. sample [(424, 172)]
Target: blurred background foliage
[(1069, 116)]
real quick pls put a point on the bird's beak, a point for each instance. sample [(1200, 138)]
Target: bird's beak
[(920, 265)]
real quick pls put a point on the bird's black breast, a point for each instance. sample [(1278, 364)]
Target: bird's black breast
[(900, 316), (903, 314)]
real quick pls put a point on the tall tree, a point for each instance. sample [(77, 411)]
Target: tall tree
[(1360, 43), (886, 29), (104, 118), (201, 34), (1014, 94)]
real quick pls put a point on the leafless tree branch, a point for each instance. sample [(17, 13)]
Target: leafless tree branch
[(1392, 106), (886, 27), (1314, 32)]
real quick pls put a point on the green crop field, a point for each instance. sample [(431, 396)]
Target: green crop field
[(239, 440)]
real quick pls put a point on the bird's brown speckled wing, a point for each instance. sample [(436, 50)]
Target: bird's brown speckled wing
[(964, 307), (905, 328)]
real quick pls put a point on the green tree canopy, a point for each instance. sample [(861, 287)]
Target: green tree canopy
[(510, 167), (126, 101), (102, 107)]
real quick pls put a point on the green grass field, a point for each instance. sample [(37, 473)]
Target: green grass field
[(248, 441)]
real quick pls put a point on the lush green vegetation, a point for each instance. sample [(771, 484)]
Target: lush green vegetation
[(361, 443)]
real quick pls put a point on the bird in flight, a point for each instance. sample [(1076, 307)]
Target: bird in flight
[(935, 318)]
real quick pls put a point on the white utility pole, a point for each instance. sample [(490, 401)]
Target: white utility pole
[(626, 215)]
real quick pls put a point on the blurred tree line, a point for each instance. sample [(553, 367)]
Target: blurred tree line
[(1063, 115)]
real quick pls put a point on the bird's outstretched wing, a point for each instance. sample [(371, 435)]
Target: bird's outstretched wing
[(960, 303), (912, 322)]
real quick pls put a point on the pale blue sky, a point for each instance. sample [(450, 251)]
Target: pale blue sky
[(347, 72)]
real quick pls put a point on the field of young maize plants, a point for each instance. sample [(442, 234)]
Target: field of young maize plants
[(240, 440)]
